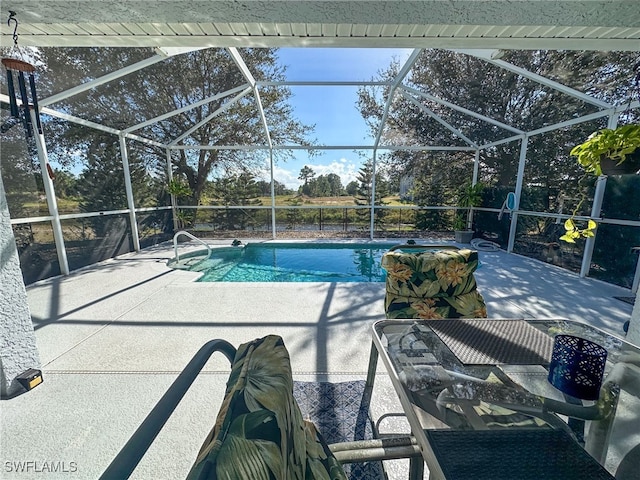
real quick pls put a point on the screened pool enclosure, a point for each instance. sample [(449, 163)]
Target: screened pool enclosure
[(128, 133)]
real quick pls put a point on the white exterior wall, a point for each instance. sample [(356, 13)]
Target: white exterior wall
[(633, 335), (18, 351)]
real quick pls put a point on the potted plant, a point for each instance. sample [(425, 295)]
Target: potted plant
[(468, 197), (461, 233), (610, 151), (605, 152)]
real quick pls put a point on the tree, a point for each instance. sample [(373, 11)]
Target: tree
[(335, 185), (306, 175), (364, 192), (65, 183), (503, 96), (101, 184), (236, 190), (352, 188), (328, 185), (278, 188), (173, 84)]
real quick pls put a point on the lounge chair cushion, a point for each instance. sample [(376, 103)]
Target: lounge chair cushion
[(432, 284), (259, 432)]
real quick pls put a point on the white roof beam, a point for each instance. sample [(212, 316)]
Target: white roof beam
[(573, 121), (209, 117), (489, 56), (557, 126), (260, 41), (462, 110), (252, 81), (186, 108), (173, 51), (96, 126), (397, 81), (101, 80), (163, 53), (329, 83), (325, 147), (439, 119), (515, 138)]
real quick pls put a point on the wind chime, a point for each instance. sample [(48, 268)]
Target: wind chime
[(21, 70)]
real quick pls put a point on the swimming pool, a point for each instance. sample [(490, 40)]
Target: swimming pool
[(294, 262)]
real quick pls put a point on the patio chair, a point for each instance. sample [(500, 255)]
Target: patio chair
[(432, 282), (261, 430)]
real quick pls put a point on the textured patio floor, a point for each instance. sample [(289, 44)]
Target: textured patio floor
[(113, 337)]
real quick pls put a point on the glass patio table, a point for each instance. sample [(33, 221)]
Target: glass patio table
[(477, 398)]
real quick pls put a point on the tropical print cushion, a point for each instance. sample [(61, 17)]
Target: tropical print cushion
[(259, 433), (432, 284)]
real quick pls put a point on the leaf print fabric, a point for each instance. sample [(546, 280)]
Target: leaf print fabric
[(259, 433), (432, 284)]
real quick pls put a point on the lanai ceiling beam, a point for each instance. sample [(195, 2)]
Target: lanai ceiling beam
[(162, 55), (397, 82), (462, 109), (321, 83), (252, 81), (490, 56), (442, 148), (96, 126), (439, 119), (206, 120), (186, 108)]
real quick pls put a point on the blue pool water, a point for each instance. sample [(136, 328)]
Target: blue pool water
[(281, 262)]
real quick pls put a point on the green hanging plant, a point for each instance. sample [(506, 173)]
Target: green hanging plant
[(617, 145), (573, 232)]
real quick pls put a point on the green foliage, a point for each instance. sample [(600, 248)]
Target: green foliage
[(65, 183), (459, 222), (364, 193), (323, 186), (101, 184), (174, 83), (279, 188), (573, 232), (351, 188), (470, 195), (179, 188), (22, 181), (235, 190), (306, 174), (615, 144)]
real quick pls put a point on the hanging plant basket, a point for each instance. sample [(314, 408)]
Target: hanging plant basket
[(630, 166)]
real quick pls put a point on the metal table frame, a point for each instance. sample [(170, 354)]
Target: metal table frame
[(615, 346)]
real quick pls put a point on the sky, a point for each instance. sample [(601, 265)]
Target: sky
[(332, 109)]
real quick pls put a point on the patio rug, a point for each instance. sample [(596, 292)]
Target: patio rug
[(340, 411), (494, 342)]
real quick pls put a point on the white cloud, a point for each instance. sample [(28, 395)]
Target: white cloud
[(287, 177), (346, 169)]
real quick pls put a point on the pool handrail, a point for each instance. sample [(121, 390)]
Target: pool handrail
[(193, 237)]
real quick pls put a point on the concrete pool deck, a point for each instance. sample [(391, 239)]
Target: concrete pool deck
[(112, 337)]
